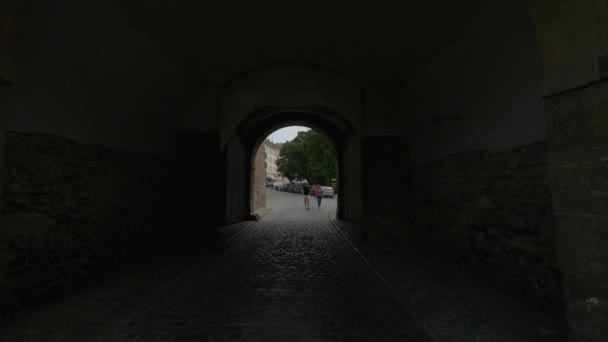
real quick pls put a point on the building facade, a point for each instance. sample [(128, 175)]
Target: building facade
[(272, 152)]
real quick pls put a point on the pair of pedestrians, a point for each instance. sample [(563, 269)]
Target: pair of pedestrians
[(317, 191)]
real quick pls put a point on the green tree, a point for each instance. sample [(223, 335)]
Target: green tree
[(309, 156)]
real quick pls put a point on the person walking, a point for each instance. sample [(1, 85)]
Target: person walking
[(318, 192), (306, 192)]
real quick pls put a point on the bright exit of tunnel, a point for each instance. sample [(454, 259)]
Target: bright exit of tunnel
[(294, 160), (261, 161)]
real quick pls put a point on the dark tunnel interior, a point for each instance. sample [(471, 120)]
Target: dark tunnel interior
[(470, 201)]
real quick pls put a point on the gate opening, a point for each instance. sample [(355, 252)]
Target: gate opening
[(294, 166)]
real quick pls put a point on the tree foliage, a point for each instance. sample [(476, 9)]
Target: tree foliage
[(309, 156)]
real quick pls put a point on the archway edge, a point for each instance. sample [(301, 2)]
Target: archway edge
[(264, 121), (343, 136), (288, 88), (288, 65)]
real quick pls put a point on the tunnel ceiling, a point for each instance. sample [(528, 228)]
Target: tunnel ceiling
[(213, 41)]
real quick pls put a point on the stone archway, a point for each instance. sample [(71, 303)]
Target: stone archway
[(250, 135), (285, 87)]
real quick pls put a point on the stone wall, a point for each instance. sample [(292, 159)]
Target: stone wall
[(573, 37), (70, 211), (493, 210), (8, 70), (350, 190), (578, 130), (236, 176), (386, 191), (4, 99)]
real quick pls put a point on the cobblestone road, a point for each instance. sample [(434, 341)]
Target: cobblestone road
[(290, 277)]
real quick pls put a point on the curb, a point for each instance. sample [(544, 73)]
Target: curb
[(259, 215)]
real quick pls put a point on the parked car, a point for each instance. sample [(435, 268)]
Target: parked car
[(328, 191)]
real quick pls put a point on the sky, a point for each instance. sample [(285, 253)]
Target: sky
[(285, 134)]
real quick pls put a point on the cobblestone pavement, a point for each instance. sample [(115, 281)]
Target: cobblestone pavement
[(455, 302), (97, 311), (290, 277)]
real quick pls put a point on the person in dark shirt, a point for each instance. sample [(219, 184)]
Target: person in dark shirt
[(306, 192)]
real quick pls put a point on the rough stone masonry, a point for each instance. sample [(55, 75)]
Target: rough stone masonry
[(493, 210), (70, 211)]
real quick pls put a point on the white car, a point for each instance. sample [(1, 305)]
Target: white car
[(328, 191)]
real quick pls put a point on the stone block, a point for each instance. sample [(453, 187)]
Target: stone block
[(485, 203), (23, 224), (587, 303), (4, 96), (578, 119), (580, 180), (581, 244)]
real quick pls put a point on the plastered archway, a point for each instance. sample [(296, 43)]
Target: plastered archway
[(285, 87), (254, 103)]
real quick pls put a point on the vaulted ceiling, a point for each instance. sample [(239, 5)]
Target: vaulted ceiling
[(214, 41)]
